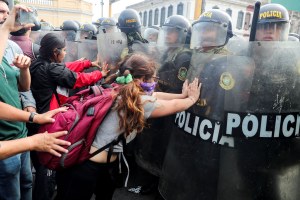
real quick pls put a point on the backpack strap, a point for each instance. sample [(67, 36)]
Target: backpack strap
[(109, 145), (96, 90)]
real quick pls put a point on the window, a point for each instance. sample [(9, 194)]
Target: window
[(170, 10), (216, 7), (240, 20), (150, 18), (247, 21), (145, 19), (141, 15), (156, 16), (162, 16), (229, 12), (180, 9)]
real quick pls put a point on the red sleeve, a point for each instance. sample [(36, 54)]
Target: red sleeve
[(84, 79), (78, 66)]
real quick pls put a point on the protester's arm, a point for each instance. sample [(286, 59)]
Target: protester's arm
[(168, 107), (11, 113), (28, 101), (23, 62), (170, 96), (39, 142)]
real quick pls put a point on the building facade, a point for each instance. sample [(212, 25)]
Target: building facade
[(154, 12), (57, 11)]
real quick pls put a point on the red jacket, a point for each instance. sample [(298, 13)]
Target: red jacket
[(47, 76)]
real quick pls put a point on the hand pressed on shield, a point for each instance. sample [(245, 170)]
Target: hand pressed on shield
[(194, 90)]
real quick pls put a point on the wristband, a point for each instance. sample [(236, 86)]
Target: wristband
[(31, 116)]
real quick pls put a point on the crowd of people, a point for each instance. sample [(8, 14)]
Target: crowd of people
[(33, 76)]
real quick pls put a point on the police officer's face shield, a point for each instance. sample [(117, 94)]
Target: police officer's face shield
[(151, 35), (208, 35), (86, 34), (171, 37), (272, 31)]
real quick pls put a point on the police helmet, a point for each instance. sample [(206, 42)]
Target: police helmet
[(69, 25), (87, 31), (151, 34), (46, 26), (273, 18), (129, 21), (294, 37), (174, 31), (37, 26), (212, 29), (108, 25), (98, 22)]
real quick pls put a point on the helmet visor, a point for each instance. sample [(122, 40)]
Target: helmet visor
[(272, 31), (171, 36), (108, 29), (208, 34)]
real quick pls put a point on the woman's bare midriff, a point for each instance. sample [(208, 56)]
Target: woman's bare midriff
[(102, 156)]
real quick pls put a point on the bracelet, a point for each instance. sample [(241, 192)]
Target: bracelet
[(31, 116)]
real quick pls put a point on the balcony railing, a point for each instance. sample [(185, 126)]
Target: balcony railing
[(40, 2)]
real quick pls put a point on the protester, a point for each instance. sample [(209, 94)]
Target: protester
[(15, 172), (135, 103)]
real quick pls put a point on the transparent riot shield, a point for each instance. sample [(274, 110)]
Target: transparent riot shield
[(36, 36), (239, 141), (72, 51), (88, 49), (111, 46), (152, 144)]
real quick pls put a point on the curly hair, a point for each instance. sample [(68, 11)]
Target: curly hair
[(130, 107)]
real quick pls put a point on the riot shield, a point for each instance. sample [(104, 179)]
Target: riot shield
[(240, 139), (88, 49), (110, 46), (152, 144), (72, 51), (36, 36)]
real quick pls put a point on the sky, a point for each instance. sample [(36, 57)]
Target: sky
[(117, 7)]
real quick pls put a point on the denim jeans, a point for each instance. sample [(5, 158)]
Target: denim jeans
[(16, 178)]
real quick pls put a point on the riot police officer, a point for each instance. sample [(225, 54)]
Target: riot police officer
[(88, 31), (129, 22), (70, 28), (151, 34), (273, 23), (108, 25), (176, 57)]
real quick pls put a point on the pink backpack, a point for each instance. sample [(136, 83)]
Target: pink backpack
[(84, 116)]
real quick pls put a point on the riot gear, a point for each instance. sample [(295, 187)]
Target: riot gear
[(37, 26), (98, 22), (70, 25), (174, 31), (129, 21), (108, 25), (70, 28), (151, 34), (273, 23), (212, 29), (45, 26), (294, 37), (87, 31)]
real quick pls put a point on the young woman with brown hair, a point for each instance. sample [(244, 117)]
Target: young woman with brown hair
[(135, 103)]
